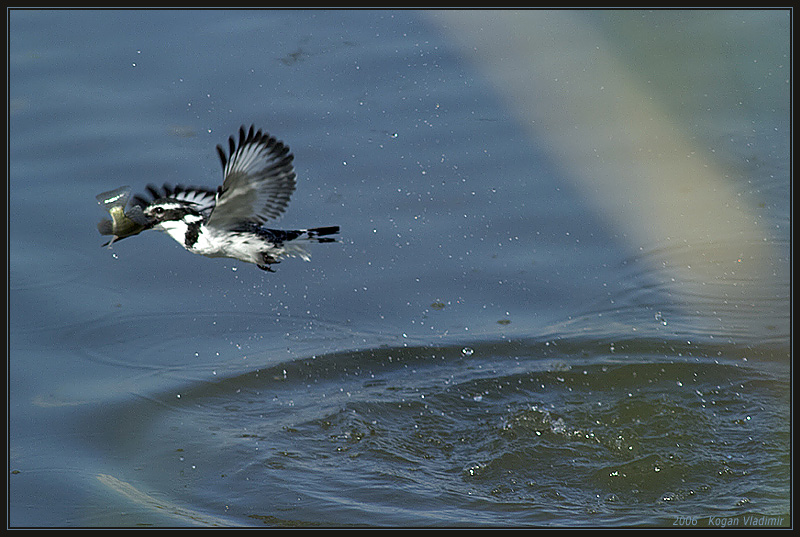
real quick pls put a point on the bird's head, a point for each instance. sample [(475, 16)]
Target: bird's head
[(173, 216), (168, 210)]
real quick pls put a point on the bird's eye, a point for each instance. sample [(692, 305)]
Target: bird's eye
[(159, 210)]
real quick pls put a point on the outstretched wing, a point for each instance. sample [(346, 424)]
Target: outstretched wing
[(204, 199), (259, 180)]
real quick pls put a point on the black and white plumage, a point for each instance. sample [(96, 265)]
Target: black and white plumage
[(259, 179)]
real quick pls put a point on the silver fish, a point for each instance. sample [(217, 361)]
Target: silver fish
[(122, 224)]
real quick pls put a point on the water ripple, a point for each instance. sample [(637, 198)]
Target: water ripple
[(513, 433)]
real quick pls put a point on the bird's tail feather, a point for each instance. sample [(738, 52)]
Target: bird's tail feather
[(295, 247), (318, 234)]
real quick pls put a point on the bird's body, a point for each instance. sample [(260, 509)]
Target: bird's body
[(259, 179)]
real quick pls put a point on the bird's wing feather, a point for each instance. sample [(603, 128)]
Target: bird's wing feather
[(259, 180), (204, 199)]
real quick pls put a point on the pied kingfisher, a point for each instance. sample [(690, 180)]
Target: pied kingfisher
[(259, 179)]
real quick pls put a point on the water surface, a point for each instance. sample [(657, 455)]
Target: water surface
[(506, 335)]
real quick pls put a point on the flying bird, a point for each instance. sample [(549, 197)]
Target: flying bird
[(258, 181)]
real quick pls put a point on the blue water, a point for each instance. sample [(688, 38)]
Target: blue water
[(526, 322)]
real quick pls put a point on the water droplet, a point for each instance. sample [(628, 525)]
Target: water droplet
[(466, 351), (473, 468)]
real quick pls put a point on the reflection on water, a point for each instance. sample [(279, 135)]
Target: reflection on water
[(637, 161), (729, 304), (148, 501), (558, 433)]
